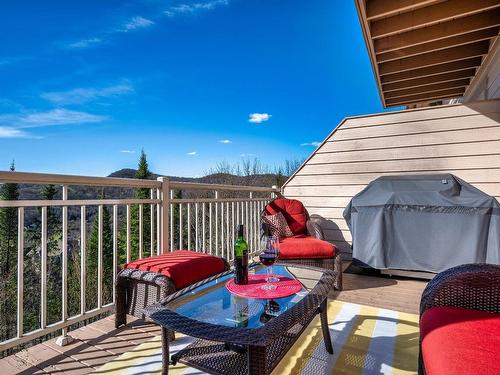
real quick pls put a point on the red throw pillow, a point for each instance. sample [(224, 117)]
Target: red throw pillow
[(278, 225)]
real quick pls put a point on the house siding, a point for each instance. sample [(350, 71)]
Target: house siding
[(486, 83), (461, 139)]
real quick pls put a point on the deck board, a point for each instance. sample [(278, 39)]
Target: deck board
[(100, 342)]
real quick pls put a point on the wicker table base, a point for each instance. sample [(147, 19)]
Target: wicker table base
[(215, 358)]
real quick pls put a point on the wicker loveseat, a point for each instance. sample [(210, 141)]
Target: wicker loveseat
[(460, 322), (307, 245)]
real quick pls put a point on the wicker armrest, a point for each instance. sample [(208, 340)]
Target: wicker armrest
[(314, 229), (470, 286)]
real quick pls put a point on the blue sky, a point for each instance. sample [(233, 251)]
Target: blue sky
[(85, 85)]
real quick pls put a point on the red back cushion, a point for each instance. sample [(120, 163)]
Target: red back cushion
[(294, 212)]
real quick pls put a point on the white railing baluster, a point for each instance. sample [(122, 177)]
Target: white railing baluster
[(228, 247), (237, 213), (222, 244), (181, 242), (216, 224), (64, 265), (203, 231), (171, 208), (83, 258), (43, 263), (251, 222), (20, 271), (115, 245), (100, 211), (189, 225), (233, 224), (152, 224), (159, 209), (210, 227), (141, 231), (247, 232), (129, 235), (196, 229)]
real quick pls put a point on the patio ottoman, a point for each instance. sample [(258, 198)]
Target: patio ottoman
[(148, 280)]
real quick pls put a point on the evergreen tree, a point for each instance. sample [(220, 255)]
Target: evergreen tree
[(8, 256), (107, 260), (54, 256), (144, 173)]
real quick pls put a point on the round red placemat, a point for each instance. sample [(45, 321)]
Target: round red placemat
[(284, 288)]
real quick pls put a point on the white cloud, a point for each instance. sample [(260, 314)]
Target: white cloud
[(84, 43), (192, 153), (84, 95), (135, 23), (247, 155), (194, 7), (257, 118), (9, 132), (314, 143), (59, 116), (225, 141), (127, 151)]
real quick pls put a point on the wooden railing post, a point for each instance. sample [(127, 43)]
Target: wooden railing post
[(165, 214), (275, 191)]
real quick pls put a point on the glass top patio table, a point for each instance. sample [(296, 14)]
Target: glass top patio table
[(214, 303), (236, 335)]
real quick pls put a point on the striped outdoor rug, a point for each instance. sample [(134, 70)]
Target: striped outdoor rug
[(366, 340)]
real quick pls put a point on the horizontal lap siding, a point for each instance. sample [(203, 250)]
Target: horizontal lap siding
[(463, 140)]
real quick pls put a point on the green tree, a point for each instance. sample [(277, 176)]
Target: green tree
[(8, 264), (92, 257), (54, 256), (143, 173)]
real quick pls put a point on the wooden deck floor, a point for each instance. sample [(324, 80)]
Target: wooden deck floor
[(100, 342)]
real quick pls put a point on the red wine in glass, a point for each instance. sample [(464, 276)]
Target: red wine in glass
[(267, 259)]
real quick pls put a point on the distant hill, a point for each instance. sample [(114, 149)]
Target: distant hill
[(266, 180)]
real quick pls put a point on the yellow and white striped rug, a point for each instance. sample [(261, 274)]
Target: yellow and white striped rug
[(366, 340)]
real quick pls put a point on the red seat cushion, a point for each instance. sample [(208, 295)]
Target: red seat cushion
[(460, 341), (183, 267), (303, 246), (294, 212)]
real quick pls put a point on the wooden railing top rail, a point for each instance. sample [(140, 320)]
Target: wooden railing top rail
[(59, 179)]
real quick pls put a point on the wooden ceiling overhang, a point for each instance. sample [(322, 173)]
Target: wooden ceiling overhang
[(427, 50)]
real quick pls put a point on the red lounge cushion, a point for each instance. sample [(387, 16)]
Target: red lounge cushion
[(460, 341), (183, 267), (293, 211), (303, 246)]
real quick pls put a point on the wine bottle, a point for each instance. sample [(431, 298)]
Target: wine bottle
[(240, 259)]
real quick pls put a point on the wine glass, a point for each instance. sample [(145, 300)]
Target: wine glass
[(267, 257)]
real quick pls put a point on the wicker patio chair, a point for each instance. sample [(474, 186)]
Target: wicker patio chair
[(307, 243), (469, 286)]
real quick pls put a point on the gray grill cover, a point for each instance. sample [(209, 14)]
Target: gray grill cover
[(425, 223)]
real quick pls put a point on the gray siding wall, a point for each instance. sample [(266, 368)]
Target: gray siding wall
[(486, 84), (460, 139)]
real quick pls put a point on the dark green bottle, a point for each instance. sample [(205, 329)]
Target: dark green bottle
[(240, 259)]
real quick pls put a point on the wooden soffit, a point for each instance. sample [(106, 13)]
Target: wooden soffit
[(426, 50)]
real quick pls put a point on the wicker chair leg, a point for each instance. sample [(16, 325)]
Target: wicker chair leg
[(421, 367), (337, 268), (121, 302), (324, 327), (165, 350)]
